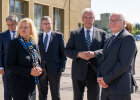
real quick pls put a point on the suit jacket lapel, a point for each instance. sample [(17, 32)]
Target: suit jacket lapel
[(8, 36), (83, 39), (113, 42), (41, 43), (51, 40), (106, 45), (94, 36)]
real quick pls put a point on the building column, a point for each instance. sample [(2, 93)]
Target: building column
[(67, 20), (0, 15), (51, 13), (4, 13), (31, 9)]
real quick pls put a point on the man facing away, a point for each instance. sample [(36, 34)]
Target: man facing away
[(5, 37), (51, 46), (84, 47), (116, 75)]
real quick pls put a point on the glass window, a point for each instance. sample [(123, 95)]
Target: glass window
[(22, 7), (58, 20), (39, 11), (11, 5), (17, 8)]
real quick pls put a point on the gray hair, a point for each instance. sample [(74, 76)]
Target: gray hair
[(88, 10), (119, 14), (12, 18), (46, 18)]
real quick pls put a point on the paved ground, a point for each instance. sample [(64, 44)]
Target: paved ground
[(66, 83)]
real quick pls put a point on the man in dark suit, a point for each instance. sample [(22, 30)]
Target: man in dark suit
[(84, 48), (5, 37), (51, 46), (115, 75)]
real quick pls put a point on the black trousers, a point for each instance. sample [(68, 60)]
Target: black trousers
[(116, 97), (106, 96), (23, 90), (90, 83), (7, 95), (54, 81)]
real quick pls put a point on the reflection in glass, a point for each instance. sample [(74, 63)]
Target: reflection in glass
[(11, 5), (38, 22), (18, 17), (35, 10), (22, 7), (57, 19), (43, 10), (39, 10), (17, 6), (35, 15), (35, 21), (22, 16)]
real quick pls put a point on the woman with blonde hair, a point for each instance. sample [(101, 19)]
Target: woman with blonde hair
[(128, 26), (23, 61)]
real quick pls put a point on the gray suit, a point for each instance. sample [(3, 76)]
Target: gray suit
[(116, 66), (84, 71)]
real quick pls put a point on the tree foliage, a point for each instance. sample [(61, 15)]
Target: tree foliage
[(136, 29)]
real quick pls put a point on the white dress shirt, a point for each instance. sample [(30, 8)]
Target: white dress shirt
[(90, 32), (12, 35)]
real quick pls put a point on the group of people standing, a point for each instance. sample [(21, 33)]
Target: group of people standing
[(97, 61)]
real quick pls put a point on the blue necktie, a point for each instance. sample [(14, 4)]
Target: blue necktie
[(88, 41)]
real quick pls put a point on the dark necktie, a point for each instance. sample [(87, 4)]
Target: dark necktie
[(88, 41), (111, 40), (14, 33), (45, 41)]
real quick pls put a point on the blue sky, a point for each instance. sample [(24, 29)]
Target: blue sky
[(130, 8)]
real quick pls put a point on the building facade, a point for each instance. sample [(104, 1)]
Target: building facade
[(66, 14), (103, 23)]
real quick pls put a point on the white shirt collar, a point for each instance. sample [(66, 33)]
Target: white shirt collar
[(12, 34), (91, 29), (91, 32), (117, 33), (49, 33)]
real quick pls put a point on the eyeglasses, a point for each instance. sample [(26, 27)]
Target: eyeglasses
[(45, 23), (24, 28), (115, 21), (90, 18), (11, 25)]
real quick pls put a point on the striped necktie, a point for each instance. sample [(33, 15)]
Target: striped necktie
[(45, 41), (111, 40), (88, 41)]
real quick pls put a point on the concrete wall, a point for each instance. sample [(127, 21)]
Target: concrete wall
[(105, 20)]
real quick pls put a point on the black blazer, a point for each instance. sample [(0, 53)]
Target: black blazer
[(4, 40), (19, 63), (54, 59), (77, 43), (117, 63)]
